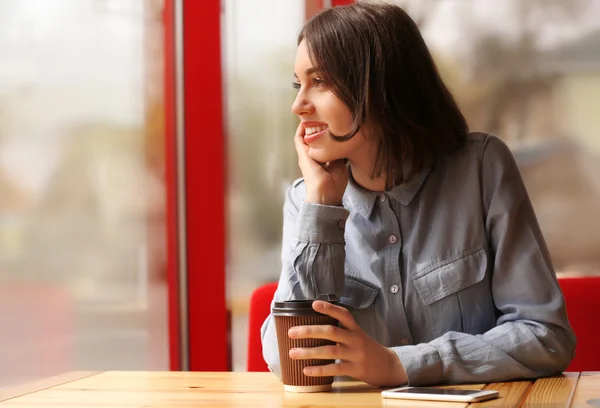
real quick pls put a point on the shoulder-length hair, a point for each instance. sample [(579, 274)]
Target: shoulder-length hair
[(376, 61)]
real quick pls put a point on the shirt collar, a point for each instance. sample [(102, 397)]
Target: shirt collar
[(363, 200)]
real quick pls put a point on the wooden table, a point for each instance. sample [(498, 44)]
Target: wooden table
[(192, 389)]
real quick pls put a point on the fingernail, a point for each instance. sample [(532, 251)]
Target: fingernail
[(307, 371), (319, 305), (292, 332)]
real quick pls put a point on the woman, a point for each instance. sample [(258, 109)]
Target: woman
[(423, 230)]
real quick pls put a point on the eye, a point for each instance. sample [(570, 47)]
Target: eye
[(318, 82), (296, 85)]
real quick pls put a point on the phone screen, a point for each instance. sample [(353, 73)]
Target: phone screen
[(437, 391)]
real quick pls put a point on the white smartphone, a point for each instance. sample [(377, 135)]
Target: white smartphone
[(439, 394)]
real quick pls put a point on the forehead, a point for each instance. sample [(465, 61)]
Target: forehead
[(303, 61)]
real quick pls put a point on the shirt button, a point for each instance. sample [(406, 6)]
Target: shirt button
[(342, 224), (382, 197), (404, 341), (394, 289), (392, 239)]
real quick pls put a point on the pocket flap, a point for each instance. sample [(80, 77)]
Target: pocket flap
[(452, 275), (358, 293)]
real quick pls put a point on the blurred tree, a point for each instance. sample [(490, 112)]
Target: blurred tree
[(512, 69), (501, 77)]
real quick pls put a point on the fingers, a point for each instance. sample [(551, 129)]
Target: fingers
[(333, 352), (325, 332), (301, 147), (325, 182), (339, 313), (304, 161), (336, 369)]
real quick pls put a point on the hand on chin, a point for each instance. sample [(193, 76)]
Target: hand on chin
[(321, 156)]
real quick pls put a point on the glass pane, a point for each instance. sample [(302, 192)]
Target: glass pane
[(82, 245), (259, 51), (529, 72), (526, 70)]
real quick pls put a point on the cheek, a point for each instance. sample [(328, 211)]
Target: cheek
[(337, 115), (342, 123)]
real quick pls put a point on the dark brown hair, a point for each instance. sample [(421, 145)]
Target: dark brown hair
[(375, 60)]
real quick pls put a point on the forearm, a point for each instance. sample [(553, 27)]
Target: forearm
[(512, 350), (313, 258)]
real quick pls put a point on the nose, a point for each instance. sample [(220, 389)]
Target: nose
[(302, 105)]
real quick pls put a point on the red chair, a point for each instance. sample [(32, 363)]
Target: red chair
[(581, 297), (260, 307), (583, 306)]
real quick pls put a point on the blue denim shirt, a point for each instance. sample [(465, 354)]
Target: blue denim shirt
[(449, 270)]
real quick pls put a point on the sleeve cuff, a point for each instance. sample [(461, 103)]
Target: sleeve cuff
[(422, 363), (321, 223)]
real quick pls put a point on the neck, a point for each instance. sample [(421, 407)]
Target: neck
[(362, 164), (362, 177)]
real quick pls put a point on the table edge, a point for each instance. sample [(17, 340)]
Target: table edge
[(71, 376), (44, 383)]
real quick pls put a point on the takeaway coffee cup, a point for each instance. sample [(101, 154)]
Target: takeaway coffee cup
[(300, 313)]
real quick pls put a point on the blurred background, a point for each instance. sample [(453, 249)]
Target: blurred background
[(83, 191), (525, 70), (82, 201)]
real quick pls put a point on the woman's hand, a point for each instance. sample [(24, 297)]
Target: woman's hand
[(325, 182), (362, 357)]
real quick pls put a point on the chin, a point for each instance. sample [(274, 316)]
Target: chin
[(322, 155)]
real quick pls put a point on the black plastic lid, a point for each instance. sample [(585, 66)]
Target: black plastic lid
[(301, 307)]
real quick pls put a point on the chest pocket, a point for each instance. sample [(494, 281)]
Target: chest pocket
[(456, 293), (358, 297)]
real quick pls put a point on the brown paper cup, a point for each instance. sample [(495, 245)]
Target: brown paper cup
[(300, 313)]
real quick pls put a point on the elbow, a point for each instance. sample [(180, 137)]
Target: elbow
[(272, 362), (567, 353), (270, 349), (549, 352), (561, 351), (560, 360), (568, 342)]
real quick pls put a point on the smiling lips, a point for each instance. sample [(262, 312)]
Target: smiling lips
[(313, 132)]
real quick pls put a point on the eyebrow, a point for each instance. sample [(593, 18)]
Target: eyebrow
[(309, 71)]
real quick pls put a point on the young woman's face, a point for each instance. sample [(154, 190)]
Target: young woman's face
[(321, 112)]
